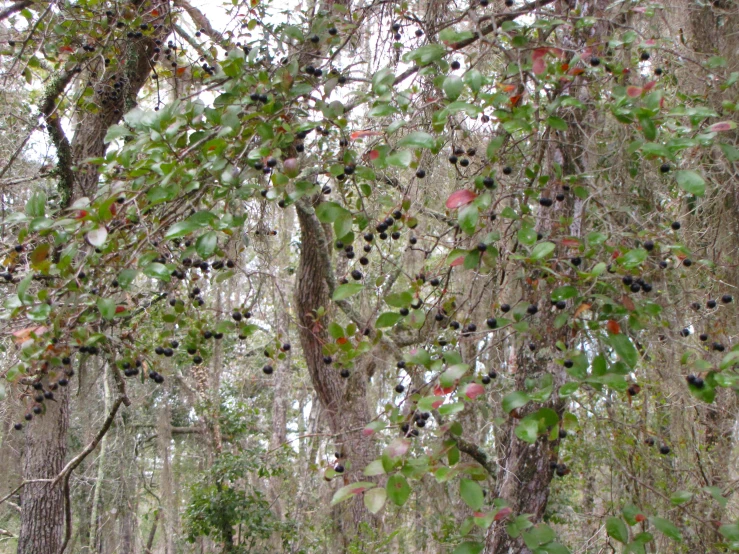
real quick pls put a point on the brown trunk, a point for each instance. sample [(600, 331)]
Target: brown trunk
[(344, 400), (42, 506)]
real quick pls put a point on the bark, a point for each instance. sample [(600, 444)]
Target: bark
[(168, 510), (344, 401), (42, 505)]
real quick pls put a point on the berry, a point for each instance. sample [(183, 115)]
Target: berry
[(420, 174), (505, 308), (675, 225), (665, 168), (404, 311), (648, 245), (711, 304), (344, 373), (492, 322), (703, 337), (685, 332), (664, 450), (453, 159), (727, 299), (399, 388), (532, 309), (507, 170), (356, 275), (485, 380), (455, 65), (546, 202), (561, 304), (595, 61), (268, 370), (338, 468), (568, 363)]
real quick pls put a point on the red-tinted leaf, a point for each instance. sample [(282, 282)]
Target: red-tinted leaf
[(613, 327), (441, 391), (649, 86), (398, 447), (474, 390), (539, 66), (374, 154), (458, 261), (119, 309), (633, 92), (722, 126), (460, 198), (502, 513), (436, 405), (570, 242), (539, 53), (361, 134)]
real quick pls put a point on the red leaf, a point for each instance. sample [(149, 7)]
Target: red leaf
[(502, 513), (81, 214), (570, 242), (649, 86), (613, 327), (180, 70), (458, 261), (66, 49), (576, 71), (374, 154), (639, 518), (539, 53), (633, 92), (441, 391), (367, 432), (361, 134), (437, 404), (119, 309), (474, 390), (722, 126), (460, 198), (508, 88), (539, 66), (516, 99), (342, 340)]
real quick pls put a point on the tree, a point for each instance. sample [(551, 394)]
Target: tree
[(498, 230)]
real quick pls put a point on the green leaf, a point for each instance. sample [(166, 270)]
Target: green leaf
[(667, 528), (157, 271), (350, 491), (417, 139), (116, 131), (469, 548), (388, 319), (398, 489), (563, 293), (206, 244), (328, 212), (399, 299), (106, 307), (542, 250), (527, 430), (126, 277), (468, 217), (36, 205), (680, 497), (452, 375), (691, 182), (425, 54), (473, 79), (633, 258), (514, 400), (345, 291), (557, 123), (616, 528), (375, 499), (471, 493), (624, 348), (181, 229), (400, 158), (452, 87), (648, 128)]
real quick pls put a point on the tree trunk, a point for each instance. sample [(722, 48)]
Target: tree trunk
[(42, 506), (343, 400)]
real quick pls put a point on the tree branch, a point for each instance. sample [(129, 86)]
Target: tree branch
[(199, 19), (60, 140), (15, 8)]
